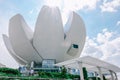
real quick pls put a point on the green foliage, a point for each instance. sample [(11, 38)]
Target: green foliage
[(94, 78), (9, 71), (71, 76), (45, 75), (85, 73), (57, 75), (104, 78), (63, 72), (48, 74)]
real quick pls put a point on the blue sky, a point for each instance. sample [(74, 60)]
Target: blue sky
[(101, 17), (92, 14), (96, 21)]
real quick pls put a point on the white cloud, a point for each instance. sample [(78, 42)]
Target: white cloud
[(104, 37), (66, 6), (92, 49), (31, 12), (104, 46), (72, 5), (118, 23), (110, 6)]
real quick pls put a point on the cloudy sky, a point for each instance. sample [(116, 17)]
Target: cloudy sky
[(101, 17)]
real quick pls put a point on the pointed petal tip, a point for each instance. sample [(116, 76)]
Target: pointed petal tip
[(4, 36), (16, 16), (77, 15), (47, 6)]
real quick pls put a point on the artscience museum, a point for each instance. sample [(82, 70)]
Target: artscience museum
[(52, 45), (49, 40)]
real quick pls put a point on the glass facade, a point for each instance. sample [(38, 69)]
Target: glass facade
[(48, 63), (75, 46)]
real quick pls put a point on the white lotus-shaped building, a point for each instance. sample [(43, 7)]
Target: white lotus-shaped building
[(49, 40)]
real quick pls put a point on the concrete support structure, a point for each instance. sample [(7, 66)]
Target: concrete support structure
[(100, 73), (111, 73), (92, 64), (81, 70), (96, 75), (115, 76), (32, 64)]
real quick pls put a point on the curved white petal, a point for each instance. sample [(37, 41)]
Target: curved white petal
[(11, 51), (49, 34), (20, 36), (2, 65), (75, 36)]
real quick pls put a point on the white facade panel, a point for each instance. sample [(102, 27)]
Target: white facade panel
[(20, 35), (49, 34), (11, 51), (75, 36)]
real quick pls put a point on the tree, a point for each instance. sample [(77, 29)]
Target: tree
[(63, 71)]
